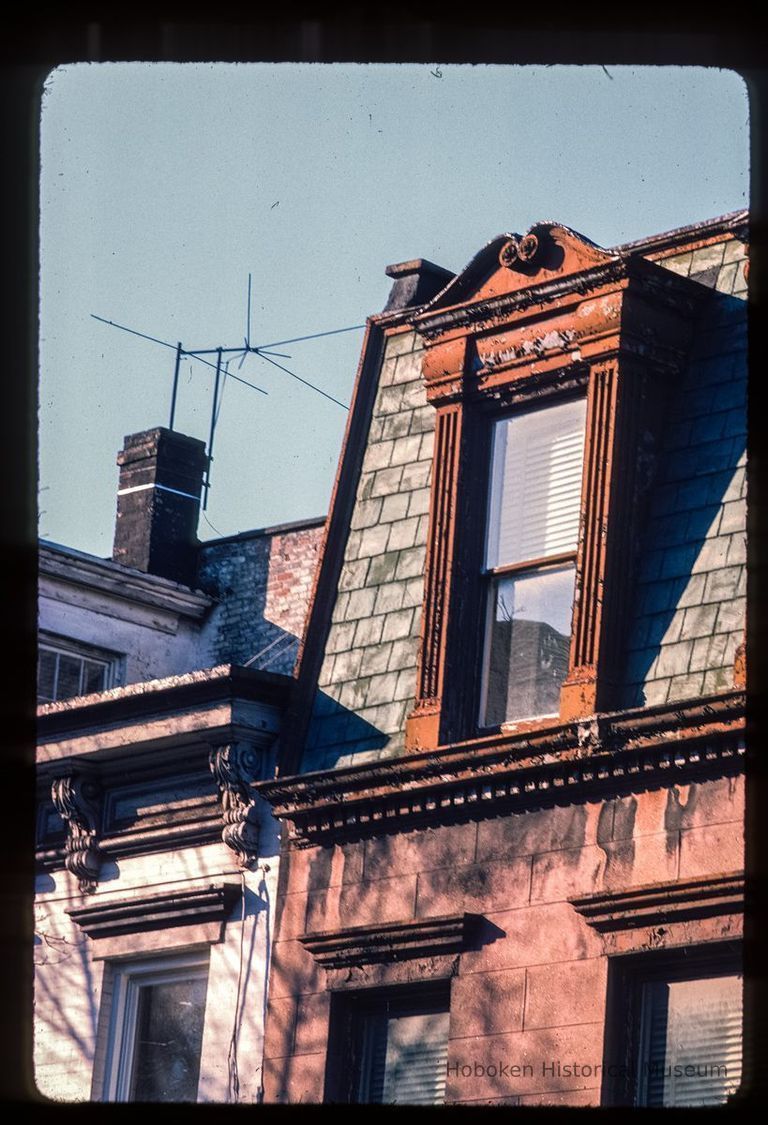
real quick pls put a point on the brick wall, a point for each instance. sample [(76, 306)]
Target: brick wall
[(690, 601), (262, 581), (533, 990), (368, 677)]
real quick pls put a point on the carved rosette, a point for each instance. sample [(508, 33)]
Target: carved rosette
[(235, 765), (77, 799)]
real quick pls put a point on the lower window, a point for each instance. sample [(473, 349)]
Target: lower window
[(156, 1033), (391, 1048), (683, 1022), (528, 635)]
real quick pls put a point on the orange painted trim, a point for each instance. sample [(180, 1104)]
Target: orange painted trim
[(599, 328)]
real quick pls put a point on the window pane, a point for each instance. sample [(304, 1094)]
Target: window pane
[(536, 484), (68, 683), (527, 644), (169, 1035), (46, 676), (404, 1059), (94, 677), (691, 1041)]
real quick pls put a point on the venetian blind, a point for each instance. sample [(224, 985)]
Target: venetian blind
[(536, 484), (404, 1059), (692, 1041)]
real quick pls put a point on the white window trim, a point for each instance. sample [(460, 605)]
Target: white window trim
[(129, 977)]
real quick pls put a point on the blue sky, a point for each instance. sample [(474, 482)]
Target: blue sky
[(164, 185)]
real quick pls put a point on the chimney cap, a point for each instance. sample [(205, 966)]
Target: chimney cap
[(415, 281)]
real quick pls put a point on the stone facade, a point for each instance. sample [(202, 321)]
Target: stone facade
[(535, 991)]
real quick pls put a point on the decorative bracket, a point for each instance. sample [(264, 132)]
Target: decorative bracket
[(235, 765), (77, 799)]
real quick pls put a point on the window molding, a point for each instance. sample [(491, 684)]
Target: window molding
[(517, 332), (392, 941), (151, 923), (654, 903)]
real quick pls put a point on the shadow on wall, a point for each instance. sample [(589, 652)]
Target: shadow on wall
[(688, 604), (337, 737), (239, 576)]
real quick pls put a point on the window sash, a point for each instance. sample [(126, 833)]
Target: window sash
[(534, 500), (88, 665), (690, 1041), (129, 981), (526, 662), (400, 1048)]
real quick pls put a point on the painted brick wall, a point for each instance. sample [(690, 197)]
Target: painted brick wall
[(72, 990), (368, 677), (690, 600), (262, 581), (534, 990)]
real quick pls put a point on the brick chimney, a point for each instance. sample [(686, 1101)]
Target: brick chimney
[(158, 503)]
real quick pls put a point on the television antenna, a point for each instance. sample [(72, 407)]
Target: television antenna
[(220, 365)]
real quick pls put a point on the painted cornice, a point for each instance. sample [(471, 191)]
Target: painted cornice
[(102, 721), (152, 912), (607, 753)]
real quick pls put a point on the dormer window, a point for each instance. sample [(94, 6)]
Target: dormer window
[(554, 356), (530, 557)]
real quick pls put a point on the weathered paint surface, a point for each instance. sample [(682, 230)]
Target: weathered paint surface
[(72, 981)]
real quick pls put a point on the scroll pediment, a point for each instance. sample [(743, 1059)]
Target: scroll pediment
[(511, 262)]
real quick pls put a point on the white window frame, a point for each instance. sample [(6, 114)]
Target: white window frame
[(64, 646), (520, 567), (128, 980)]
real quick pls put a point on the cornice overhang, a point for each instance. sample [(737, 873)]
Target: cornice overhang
[(608, 753), (647, 278), (390, 941), (148, 753), (104, 576), (734, 223), (583, 266), (654, 903), (163, 712)]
